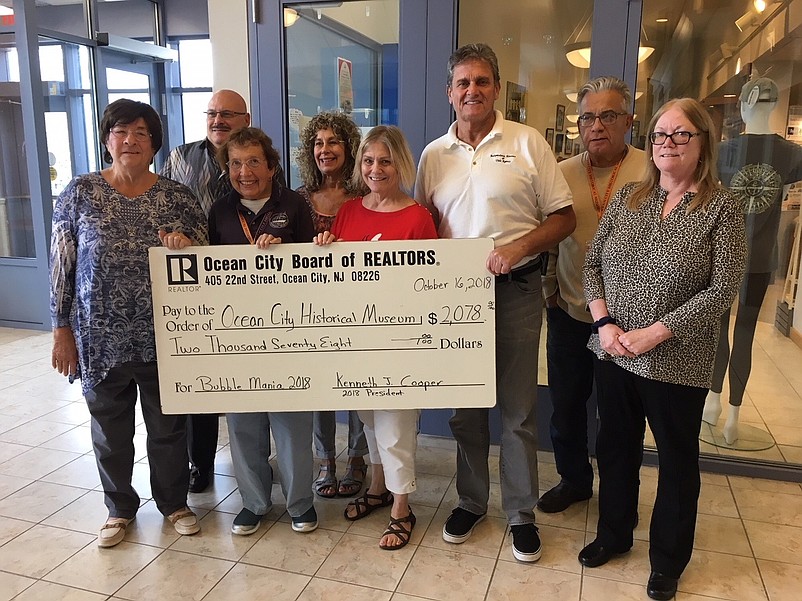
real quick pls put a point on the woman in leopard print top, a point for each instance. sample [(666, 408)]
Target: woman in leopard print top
[(665, 264)]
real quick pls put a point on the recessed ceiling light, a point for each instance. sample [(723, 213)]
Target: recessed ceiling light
[(661, 20), (729, 95)]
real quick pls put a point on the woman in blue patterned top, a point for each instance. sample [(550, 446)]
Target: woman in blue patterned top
[(102, 314)]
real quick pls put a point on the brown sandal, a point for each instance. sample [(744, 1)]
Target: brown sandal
[(354, 478), (396, 529), (364, 507)]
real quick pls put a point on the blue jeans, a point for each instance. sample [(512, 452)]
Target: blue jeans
[(570, 384), (518, 321)]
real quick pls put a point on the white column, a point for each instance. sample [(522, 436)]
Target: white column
[(228, 32)]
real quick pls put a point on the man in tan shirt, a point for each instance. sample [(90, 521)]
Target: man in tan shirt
[(594, 176)]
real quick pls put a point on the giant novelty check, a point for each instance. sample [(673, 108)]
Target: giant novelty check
[(353, 325)]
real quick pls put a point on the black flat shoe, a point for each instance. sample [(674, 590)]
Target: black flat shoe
[(560, 498), (596, 554), (199, 480), (661, 587)]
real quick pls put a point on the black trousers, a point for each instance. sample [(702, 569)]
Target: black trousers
[(570, 365), (750, 298), (674, 412), (202, 431)]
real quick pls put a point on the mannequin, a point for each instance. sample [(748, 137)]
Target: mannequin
[(756, 166)]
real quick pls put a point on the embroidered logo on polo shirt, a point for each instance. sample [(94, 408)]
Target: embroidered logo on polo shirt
[(503, 158), (279, 220)]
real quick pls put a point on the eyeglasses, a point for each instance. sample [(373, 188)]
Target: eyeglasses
[(680, 138), (606, 117), (252, 164), (140, 135), (223, 114)]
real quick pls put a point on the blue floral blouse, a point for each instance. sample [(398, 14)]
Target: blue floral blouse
[(99, 274)]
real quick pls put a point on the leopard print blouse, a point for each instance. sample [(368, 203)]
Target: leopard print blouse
[(683, 270)]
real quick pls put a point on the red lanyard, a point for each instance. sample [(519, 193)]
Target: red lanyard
[(601, 203)]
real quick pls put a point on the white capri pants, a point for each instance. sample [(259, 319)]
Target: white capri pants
[(392, 437)]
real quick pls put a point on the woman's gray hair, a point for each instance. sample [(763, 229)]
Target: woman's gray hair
[(470, 52), (607, 83)]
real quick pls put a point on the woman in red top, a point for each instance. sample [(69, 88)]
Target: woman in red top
[(384, 164)]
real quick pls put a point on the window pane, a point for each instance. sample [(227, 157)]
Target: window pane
[(118, 79), (193, 104), (195, 63), (747, 72), (341, 58), (70, 122), (129, 18), (67, 16), (16, 224)]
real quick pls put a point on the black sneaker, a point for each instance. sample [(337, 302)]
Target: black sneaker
[(525, 542), (246, 522), (460, 525), (305, 522)]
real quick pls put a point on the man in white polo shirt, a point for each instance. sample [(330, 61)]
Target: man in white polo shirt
[(488, 177)]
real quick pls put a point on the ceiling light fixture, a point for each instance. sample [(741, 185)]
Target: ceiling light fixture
[(578, 52), (290, 17)]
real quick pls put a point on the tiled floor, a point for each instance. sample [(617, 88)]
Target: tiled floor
[(748, 544)]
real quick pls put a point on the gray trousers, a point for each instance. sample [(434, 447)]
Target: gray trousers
[(518, 321), (249, 437), (111, 405), (325, 430)]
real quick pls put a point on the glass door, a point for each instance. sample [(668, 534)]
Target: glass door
[(135, 77), (341, 58)]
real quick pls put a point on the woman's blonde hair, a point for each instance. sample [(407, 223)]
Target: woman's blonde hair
[(705, 175), (396, 143)]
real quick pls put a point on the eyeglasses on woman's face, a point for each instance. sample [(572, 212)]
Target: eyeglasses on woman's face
[(254, 163), (121, 133), (680, 138)]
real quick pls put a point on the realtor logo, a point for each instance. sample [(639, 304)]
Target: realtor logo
[(182, 269)]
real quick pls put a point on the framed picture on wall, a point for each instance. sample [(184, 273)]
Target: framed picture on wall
[(550, 136), (516, 103), (559, 120), (576, 148), (558, 143)]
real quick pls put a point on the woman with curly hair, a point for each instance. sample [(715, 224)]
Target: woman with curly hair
[(328, 145)]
